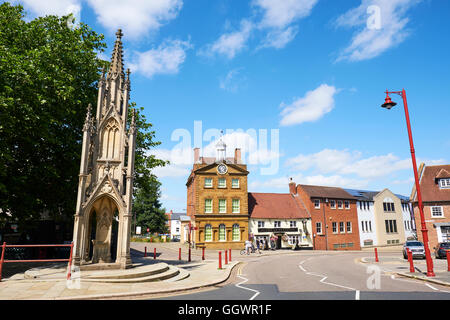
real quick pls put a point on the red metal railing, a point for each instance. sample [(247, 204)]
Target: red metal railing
[(4, 246)]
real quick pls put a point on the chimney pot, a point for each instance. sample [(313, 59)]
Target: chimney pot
[(196, 155), (292, 187), (237, 155)]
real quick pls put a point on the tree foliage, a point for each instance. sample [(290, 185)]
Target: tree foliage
[(48, 76), (146, 206)]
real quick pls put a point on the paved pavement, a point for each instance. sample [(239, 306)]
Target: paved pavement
[(202, 274)]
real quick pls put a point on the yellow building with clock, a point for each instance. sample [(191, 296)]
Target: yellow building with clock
[(217, 200)]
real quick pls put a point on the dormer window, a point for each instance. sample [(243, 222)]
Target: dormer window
[(444, 183)]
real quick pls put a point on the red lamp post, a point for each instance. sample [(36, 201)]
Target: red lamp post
[(388, 104)]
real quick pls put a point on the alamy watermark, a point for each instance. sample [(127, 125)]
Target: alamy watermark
[(374, 19), (374, 280)]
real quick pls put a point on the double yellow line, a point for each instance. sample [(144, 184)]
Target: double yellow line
[(241, 266)]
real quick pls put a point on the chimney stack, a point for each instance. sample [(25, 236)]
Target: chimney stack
[(237, 156), (196, 155), (292, 187)]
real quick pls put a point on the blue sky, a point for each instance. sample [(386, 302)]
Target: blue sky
[(313, 72)]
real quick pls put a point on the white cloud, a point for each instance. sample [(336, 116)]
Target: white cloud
[(135, 17), (313, 106), (229, 44), (181, 161), (279, 38), (318, 180), (278, 17), (324, 161), (275, 24), (52, 7), (166, 59), (279, 14), (251, 152), (232, 81), (382, 25), (344, 162)]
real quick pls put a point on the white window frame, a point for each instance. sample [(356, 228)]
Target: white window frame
[(441, 209), (277, 224), (225, 232), (340, 204), (260, 224), (444, 183), (233, 186), (334, 227), (293, 224), (233, 208), (208, 185), (206, 211), (225, 209), (236, 226), (333, 204), (316, 203), (341, 227), (211, 234), (224, 185), (319, 227), (347, 225), (347, 205)]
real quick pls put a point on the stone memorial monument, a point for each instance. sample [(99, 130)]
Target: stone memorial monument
[(103, 212)]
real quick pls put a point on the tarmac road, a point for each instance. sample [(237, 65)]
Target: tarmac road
[(321, 276)]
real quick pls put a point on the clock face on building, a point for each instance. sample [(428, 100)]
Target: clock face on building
[(222, 169)]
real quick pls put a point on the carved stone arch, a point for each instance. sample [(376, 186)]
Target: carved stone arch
[(104, 207), (110, 139)]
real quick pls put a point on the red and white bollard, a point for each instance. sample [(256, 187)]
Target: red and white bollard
[(220, 260), (229, 255), (226, 257), (154, 254), (203, 253), (376, 255), (179, 254), (448, 260), (145, 251), (411, 263), (189, 254)]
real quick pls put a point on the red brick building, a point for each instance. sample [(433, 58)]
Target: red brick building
[(333, 215), (435, 189)]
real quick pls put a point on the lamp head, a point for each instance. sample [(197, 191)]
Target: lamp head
[(388, 103)]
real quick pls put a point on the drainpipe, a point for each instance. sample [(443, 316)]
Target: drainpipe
[(325, 227)]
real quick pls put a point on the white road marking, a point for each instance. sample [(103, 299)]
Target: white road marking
[(357, 295), (430, 286), (245, 280), (325, 277)]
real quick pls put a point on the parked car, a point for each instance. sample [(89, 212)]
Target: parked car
[(416, 247), (441, 250)]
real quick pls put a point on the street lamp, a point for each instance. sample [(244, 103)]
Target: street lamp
[(388, 104)]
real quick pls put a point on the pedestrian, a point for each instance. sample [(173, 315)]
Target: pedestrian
[(248, 245), (258, 245)]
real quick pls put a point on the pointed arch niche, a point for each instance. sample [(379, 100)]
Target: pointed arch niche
[(110, 140)]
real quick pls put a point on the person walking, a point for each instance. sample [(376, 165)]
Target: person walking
[(258, 246), (248, 245)]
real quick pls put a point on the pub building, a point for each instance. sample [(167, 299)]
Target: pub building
[(279, 217)]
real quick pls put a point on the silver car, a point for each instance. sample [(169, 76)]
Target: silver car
[(416, 247)]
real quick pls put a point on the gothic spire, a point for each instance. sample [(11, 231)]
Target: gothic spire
[(88, 120), (117, 56)]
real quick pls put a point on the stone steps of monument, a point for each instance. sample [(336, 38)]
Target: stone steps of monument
[(181, 276), (169, 273), (137, 272)]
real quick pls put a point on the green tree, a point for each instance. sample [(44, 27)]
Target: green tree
[(48, 75), (147, 209)]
